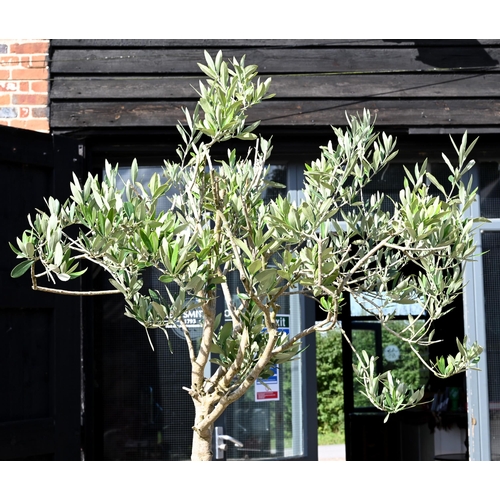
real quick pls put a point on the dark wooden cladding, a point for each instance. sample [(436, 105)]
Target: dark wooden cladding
[(250, 42), (453, 112), (40, 379), (33, 438), (201, 42), (472, 85), (144, 83), (277, 60)]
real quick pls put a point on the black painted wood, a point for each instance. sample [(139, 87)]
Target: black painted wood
[(30, 439), (102, 84), (424, 112), (40, 359), (272, 42), (411, 85), (277, 60)]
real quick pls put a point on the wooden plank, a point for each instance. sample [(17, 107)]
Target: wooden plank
[(251, 42), (301, 86), (416, 112), (13, 147), (20, 440), (277, 60), (68, 332), (127, 87), (205, 42), (122, 114), (40, 359)]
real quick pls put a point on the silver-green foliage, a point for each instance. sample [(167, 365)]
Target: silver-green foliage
[(335, 241)]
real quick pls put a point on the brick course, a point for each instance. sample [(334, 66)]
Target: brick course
[(24, 84)]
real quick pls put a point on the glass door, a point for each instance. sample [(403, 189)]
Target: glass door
[(368, 437), (271, 421), (146, 415), (267, 422)]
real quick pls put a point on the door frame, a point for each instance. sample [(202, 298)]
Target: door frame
[(478, 412)]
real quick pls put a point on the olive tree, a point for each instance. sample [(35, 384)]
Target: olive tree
[(335, 241)]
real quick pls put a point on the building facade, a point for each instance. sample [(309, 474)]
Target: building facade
[(121, 99)]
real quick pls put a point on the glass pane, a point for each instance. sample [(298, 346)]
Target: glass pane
[(369, 308), (362, 340), (393, 354), (491, 266), (399, 358), (266, 427), (146, 413), (489, 189), (388, 181), (268, 420), (441, 171), (278, 174)]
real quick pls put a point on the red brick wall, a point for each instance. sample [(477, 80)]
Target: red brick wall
[(24, 84)]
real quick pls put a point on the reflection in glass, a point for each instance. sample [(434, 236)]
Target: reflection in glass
[(392, 352)]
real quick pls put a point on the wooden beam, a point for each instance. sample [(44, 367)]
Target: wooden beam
[(475, 85), (415, 112), (278, 60), (253, 42), (206, 42)]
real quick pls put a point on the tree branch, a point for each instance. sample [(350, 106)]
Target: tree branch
[(57, 291)]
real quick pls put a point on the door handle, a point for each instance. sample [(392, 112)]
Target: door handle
[(220, 445)]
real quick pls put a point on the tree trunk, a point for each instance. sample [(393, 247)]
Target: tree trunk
[(202, 446), (202, 441)]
